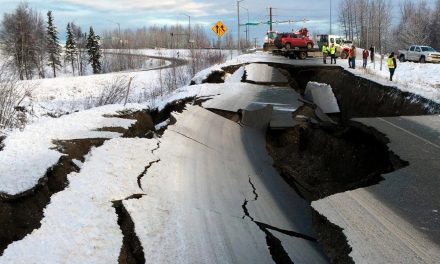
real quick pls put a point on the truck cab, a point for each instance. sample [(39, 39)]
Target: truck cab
[(342, 45)]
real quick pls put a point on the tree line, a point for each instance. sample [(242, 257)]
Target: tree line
[(369, 22), (30, 44)]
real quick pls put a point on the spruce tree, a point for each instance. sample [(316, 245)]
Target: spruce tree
[(71, 50), (94, 51), (53, 46)]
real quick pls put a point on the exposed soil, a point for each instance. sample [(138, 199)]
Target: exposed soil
[(143, 127), (231, 69), (333, 240), (321, 160), (359, 97), (1, 142), (20, 215)]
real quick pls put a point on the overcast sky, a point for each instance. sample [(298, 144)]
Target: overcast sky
[(139, 13)]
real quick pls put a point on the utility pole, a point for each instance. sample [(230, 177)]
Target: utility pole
[(189, 29), (255, 39), (247, 25), (119, 32), (238, 25), (330, 17), (270, 18)]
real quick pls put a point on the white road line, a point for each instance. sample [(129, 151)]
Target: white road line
[(409, 132)]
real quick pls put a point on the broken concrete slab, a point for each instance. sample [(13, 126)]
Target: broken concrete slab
[(264, 74), (258, 119), (243, 96), (206, 164), (322, 95), (180, 233), (395, 221)]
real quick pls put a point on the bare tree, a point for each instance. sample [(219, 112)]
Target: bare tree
[(435, 26), (414, 23), (11, 96), (22, 39)]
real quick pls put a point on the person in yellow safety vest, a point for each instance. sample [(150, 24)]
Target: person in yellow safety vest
[(333, 54), (324, 53), (392, 65)]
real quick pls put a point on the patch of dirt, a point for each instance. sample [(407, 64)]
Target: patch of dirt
[(113, 129), (215, 77), (20, 215), (231, 69), (2, 138), (143, 128)]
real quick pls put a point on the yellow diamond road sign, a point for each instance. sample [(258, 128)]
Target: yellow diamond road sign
[(219, 29)]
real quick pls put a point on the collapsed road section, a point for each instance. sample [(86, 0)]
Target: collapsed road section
[(256, 174), (325, 156)]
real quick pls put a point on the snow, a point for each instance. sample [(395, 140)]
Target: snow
[(82, 217), (80, 224), (31, 150), (418, 78)]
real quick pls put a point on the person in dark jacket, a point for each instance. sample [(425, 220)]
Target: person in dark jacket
[(365, 54), (353, 57), (392, 65), (372, 53)]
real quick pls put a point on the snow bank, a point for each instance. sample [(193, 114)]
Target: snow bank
[(80, 224), (417, 78), (29, 153)]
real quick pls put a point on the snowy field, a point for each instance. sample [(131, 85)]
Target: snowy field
[(419, 78)]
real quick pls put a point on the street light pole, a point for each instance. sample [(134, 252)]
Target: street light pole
[(189, 28), (330, 17), (238, 24), (247, 25), (119, 31)]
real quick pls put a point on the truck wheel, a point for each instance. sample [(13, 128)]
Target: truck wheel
[(309, 46), (302, 55), (422, 59), (288, 46), (402, 58), (344, 55)]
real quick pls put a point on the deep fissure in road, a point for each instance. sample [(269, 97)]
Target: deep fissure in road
[(318, 158), (20, 215), (132, 251), (276, 249), (139, 178)]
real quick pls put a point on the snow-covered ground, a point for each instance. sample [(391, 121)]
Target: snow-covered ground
[(419, 78)]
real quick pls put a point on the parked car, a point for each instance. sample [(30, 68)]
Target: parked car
[(419, 53), (292, 40)]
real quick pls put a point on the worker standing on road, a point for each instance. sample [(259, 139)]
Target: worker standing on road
[(365, 54), (372, 53), (392, 65), (333, 54), (350, 56), (353, 57), (324, 53)]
